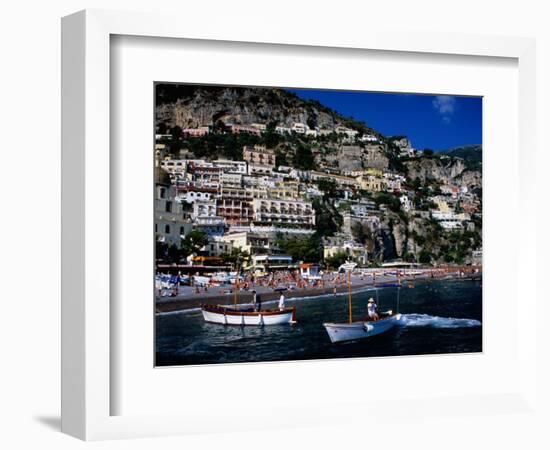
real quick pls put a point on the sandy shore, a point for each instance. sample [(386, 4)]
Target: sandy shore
[(190, 300), (181, 304)]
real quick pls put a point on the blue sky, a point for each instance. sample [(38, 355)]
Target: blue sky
[(430, 121)]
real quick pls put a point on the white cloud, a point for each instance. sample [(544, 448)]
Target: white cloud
[(445, 106)]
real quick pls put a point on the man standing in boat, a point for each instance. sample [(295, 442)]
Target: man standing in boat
[(282, 302), (256, 301), (372, 310)]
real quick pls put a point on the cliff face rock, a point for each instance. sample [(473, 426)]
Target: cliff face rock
[(445, 170), (193, 106), (355, 157), (390, 240), (375, 156), (399, 231), (442, 170), (350, 157), (470, 178)]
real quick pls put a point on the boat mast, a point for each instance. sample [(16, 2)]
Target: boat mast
[(398, 289), (349, 295), (236, 286)]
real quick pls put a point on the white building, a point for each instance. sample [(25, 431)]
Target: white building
[(406, 203), (350, 134), (210, 225), (283, 130), (340, 180), (364, 208), (230, 166), (368, 138), (217, 247), (204, 209), (195, 132), (232, 179), (174, 166), (170, 225), (259, 126), (247, 241), (299, 127), (353, 250), (393, 182), (451, 224), (260, 169), (266, 262), (283, 212), (194, 196)]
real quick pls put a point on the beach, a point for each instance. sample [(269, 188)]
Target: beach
[(188, 298)]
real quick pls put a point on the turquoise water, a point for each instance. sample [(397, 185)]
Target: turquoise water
[(438, 317)]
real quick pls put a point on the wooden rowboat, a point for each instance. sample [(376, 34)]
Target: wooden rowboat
[(232, 315), (354, 330), (340, 332)]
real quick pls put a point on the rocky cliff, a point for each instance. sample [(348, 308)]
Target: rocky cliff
[(193, 106), (445, 170)]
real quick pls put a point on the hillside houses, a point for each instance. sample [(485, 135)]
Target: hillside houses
[(249, 203)]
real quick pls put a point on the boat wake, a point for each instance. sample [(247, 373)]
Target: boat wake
[(425, 320)]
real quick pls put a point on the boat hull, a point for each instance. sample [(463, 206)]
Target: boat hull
[(341, 332), (231, 316)]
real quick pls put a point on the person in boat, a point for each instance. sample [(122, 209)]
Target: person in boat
[(258, 302), (372, 310), (282, 302)]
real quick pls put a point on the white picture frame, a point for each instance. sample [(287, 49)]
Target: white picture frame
[(86, 220)]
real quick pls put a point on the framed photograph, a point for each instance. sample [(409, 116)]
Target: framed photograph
[(313, 225)]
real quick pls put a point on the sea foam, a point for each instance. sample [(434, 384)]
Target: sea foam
[(425, 320)]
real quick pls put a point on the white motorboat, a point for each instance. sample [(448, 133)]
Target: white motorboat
[(354, 330), (235, 315), (339, 332)]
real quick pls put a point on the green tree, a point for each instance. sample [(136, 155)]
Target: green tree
[(161, 250), (328, 187), (327, 219), (361, 232), (192, 242), (425, 257), (383, 198), (237, 257), (303, 248), (336, 260), (303, 158), (176, 132)]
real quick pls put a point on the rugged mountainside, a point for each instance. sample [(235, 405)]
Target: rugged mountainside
[(468, 153), (193, 106), (444, 170)]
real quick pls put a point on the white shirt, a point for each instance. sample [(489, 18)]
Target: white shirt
[(371, 309), (282, 301)]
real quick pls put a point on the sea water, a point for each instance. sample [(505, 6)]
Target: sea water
[(438, 317)]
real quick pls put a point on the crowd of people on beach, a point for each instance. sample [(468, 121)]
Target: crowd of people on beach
[(289, 280)]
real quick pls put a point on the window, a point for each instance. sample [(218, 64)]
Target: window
[(156, 228), (167, 229), (182, 230), (168, 206), (162, 192)]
